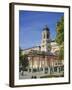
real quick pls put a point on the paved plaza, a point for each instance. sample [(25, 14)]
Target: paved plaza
[(40, 74)]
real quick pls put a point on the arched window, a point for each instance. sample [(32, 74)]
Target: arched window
[(47, 35), (44, 35)]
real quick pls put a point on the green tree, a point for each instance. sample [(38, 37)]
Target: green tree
[(60, 37), (20, 52), (61, 53), (60, 31), (23, 61)]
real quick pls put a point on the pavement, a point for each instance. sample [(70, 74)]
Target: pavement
[(27, 75)]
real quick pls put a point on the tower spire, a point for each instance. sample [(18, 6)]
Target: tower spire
[(45, 39), (46, 28)]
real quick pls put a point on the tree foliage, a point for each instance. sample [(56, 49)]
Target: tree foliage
[(60, 31), (61, 53), (20, 52), (23, 61), (60, 37)]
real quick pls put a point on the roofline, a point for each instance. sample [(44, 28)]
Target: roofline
[(35, 46), (43, 55), (31, 47)]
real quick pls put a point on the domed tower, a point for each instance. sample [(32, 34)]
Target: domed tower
[(45, 42)]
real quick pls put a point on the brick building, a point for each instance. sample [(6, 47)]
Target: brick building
[(43, 58)]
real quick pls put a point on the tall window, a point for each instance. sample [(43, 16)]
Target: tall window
[(47, 35), (44, 35)]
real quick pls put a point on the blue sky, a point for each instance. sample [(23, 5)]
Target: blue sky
[(31, 24)]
